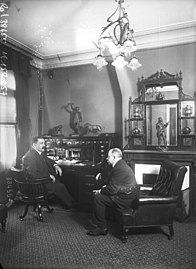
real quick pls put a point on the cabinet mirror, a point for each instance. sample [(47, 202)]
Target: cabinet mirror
[(161, 124), (160, 93)]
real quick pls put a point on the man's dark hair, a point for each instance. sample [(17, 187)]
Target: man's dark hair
[(35, 139)]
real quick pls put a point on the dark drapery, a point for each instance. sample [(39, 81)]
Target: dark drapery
[(20, 64)]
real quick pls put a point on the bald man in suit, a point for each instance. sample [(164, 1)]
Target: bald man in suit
[(120, 190)]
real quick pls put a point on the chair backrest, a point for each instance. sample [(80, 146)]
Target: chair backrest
[(170, 179), (32, 188)]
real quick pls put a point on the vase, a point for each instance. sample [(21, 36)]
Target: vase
[(136, 131), (186, 130)]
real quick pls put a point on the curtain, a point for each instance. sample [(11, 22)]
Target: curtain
[(8, 146), (22, 118), (7, 128), (16, 136)]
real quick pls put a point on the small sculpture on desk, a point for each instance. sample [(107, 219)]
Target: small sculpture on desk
[(56, 131), (75, 117), (80, 129), (91, 129), (161, 135)]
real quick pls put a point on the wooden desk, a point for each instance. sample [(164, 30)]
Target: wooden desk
[(80, 181)]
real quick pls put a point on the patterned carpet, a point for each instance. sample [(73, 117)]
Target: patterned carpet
[(61, 242)]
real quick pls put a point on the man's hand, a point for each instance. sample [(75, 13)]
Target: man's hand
[(96, 191), (98, 176), (58, 170), (53, 178)]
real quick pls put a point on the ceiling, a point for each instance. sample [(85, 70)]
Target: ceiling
[(47, 28)]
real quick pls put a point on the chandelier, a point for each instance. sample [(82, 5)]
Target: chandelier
[(117, 38)]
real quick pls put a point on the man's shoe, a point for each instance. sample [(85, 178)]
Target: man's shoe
[(97, 231), (91, 222), (74, 204), (67, 208)]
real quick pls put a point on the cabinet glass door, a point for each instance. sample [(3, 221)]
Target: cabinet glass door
[(161, 124)]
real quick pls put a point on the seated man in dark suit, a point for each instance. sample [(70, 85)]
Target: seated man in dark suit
[(37, 165), (120, 190)]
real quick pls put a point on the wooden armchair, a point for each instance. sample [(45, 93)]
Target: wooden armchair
[(156, 208), (33, 192)]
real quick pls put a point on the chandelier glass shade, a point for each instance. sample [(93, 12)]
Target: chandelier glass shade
[(117, 39), (100, 62)]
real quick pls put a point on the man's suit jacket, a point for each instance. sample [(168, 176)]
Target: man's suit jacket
[(37, 166), (122, 186)]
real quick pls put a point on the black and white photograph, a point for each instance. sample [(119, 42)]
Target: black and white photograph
[(97, 134)]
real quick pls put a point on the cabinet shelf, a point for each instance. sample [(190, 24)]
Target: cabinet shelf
[(187, 117), (162, 117), (187, 135), (135, 119), (136, 135)]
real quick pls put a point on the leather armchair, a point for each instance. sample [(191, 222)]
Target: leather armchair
[(158, 206)]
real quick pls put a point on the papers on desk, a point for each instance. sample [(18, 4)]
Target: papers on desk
[(52, 157), (68, 162)]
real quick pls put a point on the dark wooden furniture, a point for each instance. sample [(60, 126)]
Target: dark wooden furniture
[(33, 193), (157, 207), (80, 182), (81, 158), (88, 149), (161, 97), (3, 216)]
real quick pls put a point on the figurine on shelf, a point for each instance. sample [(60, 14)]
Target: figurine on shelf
[(161, 135), (188, 110), (137, 112)]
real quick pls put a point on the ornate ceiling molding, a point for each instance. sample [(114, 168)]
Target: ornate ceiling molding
[(182, 33)]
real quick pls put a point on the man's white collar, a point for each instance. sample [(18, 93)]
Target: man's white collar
[(36, 150), (116, 162)]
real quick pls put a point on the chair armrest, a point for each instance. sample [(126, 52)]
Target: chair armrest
[(34, 181), (39, 180), (145, 187), (146, 200)]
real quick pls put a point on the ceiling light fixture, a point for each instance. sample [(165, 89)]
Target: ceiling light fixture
[(117, 38)]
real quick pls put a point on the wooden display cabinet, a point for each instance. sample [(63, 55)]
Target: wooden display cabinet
[(187, 123), (162, 117)]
